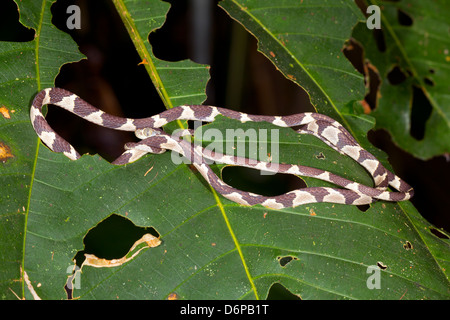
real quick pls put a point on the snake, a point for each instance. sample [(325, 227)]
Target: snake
[(153, 139)]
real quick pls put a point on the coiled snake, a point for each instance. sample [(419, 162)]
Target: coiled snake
[(155, 140)]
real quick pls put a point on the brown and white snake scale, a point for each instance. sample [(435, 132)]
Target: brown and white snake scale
[(155, 140)]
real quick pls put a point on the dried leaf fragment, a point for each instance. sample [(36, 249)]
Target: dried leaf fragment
[(147, 241), (381, 265), (30, 286), (5, 152), (408, 245), (143, 62), (5, 112), (173, 296)]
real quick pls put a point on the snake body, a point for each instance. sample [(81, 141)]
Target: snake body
[(155, 140)]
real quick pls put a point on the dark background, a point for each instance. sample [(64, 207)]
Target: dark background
[(241, 79)]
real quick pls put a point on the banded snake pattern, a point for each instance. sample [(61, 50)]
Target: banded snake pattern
[(155, 140)]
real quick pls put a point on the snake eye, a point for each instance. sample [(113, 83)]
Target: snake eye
[(145, 133)]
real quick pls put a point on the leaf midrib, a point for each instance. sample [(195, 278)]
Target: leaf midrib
[(33, 172), (159, 85)]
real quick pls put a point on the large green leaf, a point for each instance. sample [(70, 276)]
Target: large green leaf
[(177, 83), (26, 67), (211, 247), (418, 49), (215, 249), (304, 40)]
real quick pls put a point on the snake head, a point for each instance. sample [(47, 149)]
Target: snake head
[(144, 133)]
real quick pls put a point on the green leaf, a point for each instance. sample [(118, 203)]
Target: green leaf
[(176, 82), (211, 248), (304, 40), (25, 69), (418, 47), (215, 249), (31, 66)]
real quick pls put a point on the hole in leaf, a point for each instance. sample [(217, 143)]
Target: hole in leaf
[(374, 85), (381, 265), (377, 33), (396, 76), (403, 18), (363, 207), (69, 292), (100, 79), (379, 39), (353, 51), (112, 238), (420, 113), (408, 245), (279, 292), (320, 156), (252, 180), (10, 27), (177, 28), (428, 81), (438, 233), (283, 261)]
